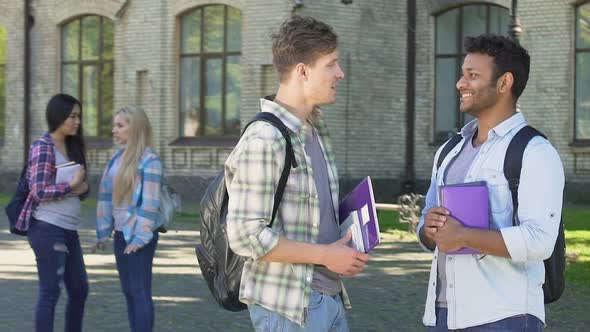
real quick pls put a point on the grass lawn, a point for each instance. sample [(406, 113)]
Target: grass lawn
[(577, 238), (4, 200)]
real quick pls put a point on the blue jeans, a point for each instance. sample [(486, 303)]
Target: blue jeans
[(135, 274), (59, 260), (523, 323), (325, 313)]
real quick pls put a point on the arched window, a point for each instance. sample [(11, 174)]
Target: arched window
[(210, 78), (452, 26), (87, 70), (582, 100), (2, 82)]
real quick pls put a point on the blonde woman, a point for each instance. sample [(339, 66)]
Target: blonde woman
[(129, 203)]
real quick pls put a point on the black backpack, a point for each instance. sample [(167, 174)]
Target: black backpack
[(220, 266), (16, 204), (555, 265)]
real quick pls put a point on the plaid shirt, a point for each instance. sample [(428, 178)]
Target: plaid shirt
[(143, 216), (252, 172), (41, 178)]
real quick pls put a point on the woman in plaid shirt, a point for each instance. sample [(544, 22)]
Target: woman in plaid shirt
[(129, 203), (52, 215)]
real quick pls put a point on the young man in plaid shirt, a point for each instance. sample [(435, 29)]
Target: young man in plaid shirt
[(291, 281)]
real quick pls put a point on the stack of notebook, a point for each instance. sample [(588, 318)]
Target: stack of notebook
[(357, 213)]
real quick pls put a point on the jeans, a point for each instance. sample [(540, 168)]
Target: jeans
[(59, 262), (523, 323), (325, 314), (135, 274)]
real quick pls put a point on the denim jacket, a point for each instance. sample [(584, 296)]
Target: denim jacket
[(143, 213)]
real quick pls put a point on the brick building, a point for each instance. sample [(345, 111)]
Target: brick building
[(198, 68)]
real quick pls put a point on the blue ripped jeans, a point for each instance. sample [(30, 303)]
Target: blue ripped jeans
[(59, 260)]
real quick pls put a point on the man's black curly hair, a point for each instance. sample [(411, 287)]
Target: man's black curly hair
[(508, 57)]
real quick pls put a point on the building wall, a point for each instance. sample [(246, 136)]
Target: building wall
[(425, 41), (368, 121), (45, 44), (11, 151), (547, 102), (259, 18), (146, 72)]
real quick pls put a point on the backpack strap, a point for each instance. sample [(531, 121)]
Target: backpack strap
[(289, 156), (447, 148), (513, 162), (23, 172)]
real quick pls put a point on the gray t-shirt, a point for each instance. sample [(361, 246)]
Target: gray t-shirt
[(324, 280), (119, 211), (66, 212), (455, 173)]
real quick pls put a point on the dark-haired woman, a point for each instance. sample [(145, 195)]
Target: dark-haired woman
[(52, 214)]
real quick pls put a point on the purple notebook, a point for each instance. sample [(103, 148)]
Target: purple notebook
[(357, 212), (469, 204)]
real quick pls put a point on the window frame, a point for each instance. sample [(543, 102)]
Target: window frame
[(577, 141), (97, 140), (215, 139), (458, 58)]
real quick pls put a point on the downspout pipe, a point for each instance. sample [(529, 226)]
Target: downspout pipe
[(410, 181), (27, 82), (515, 29)]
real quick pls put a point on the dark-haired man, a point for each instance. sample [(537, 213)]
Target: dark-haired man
[(291, 281), (501, 289)]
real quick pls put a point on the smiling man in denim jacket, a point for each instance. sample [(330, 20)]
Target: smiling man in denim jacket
[(502, 288)]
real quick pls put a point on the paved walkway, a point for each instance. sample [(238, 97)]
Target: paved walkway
[(387, 296)]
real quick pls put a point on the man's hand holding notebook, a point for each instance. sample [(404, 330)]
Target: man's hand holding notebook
[(358, 214), (468, 203)]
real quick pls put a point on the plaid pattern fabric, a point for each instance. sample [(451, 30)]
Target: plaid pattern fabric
[(143, 216), (41, 177), (252, 172)]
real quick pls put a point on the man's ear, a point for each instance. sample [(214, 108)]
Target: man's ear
[(505, 83), (301, 71)]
